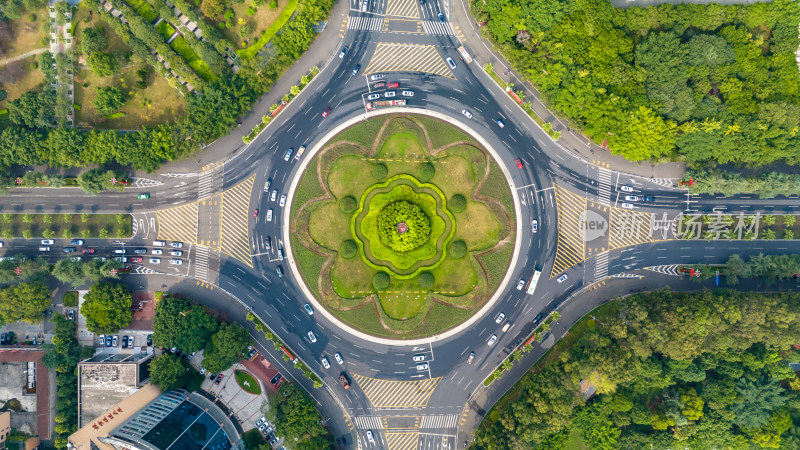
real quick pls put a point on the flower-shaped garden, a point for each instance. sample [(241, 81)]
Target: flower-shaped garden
[(402, 226)]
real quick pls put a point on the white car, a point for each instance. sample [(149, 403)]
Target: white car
[(373, 96), (627, 205), (375, 77), (407, 93), (155, 260), (325, 363), (157, 251), (300, 152), (338, 358), (423, 366), (176, 262), (48, 242), (176, 253), (499, 318), (451, 63), (418, 358), (364, 5), (176, 244), (534, 226), (466, 114), (520, 285), (312, 337), (369, 437), (269, 215), (626, 188), (631, 198), (492, 340), (562, 278), (283, 200), (274, 195), (389, 94)]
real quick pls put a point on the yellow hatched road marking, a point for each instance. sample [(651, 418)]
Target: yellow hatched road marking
[(402, 8), (234, 234), (402, 441), (390, 57), (397, 394), (178, 223), (571, 248), (629, 228)]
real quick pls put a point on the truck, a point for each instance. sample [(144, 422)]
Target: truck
[(534, 281), (464, 54), (385, 104)]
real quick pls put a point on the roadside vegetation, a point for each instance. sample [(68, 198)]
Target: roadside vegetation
[(65, 226), (293, 412), (662, 370)]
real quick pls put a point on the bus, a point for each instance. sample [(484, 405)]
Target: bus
[(534, 281), (464, 54)]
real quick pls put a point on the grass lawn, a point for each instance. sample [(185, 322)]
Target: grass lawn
[(32, 80), (259, 22), (179, 45), (403, 299), (441, 133), (271, 31), (363, 133), (479, 228), (350, 175), (70, 298), (14, 225), (27, 35), (247, 382)]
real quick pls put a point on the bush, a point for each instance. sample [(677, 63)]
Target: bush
[(457, 203), (348, 204), (348, 249), (380, 281), (425, 280), (109, 99), (102, 64), (418, 223), (458, 249), (425, 171), (380, 171)]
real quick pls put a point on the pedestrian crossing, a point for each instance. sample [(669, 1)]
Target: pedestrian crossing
[(669, 269), (364, 23), (440, 422), (434, 27), (206, 184), (368, 422), (604, 186), (201, 263), (627, 275), (601, 266)]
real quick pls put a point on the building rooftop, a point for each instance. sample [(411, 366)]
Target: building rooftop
[(107, 380)]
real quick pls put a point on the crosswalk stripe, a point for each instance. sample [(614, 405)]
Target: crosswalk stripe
[(439, 422), (368, 423), (604, 186), (205, 185), (433, 27), (601, 266), (364, 23), (201, 263)]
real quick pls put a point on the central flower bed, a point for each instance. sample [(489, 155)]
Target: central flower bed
[(402, 226)]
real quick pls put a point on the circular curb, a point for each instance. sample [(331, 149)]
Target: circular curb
[(287, 232)]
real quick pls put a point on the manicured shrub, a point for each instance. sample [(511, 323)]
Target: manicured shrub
[(425, 280), (348, 204), (458, 249), (380, 281), (348, 249), (380, 171), (457, 203), (425, 171), (417, 224)]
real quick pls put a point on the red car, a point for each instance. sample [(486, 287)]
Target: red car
[(88, 251), (394, 85), (136, 259), (219, 379), (326, 112), (255, 213), (519, 164)]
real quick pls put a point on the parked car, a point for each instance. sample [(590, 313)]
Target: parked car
[(130, 341), (76, 242), (102, 339), (124, 341), (114, 341), (109, 340), (149, 340), (275, 379), (71, 314), (376, 77), (219, 379), (373, 96)]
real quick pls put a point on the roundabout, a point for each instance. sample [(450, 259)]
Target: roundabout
[(402, 226)]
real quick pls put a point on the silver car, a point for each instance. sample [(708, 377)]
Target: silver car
[(312, 337), (283, 200), (373, 96), (466, 114), (492, 340)]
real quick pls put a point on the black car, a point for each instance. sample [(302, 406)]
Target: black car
[(441, 17), (69, 249), (10, 338), (356, 69), (538, 319), (124, 341), (212, 376), (149, 340), (3, 339), (140, 251), (276, 378), (648, 198)]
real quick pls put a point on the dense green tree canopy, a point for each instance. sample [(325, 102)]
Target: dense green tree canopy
[(166, 371), (109, 99), (107, 307), (180, 324), (226, 347), (24, 302)]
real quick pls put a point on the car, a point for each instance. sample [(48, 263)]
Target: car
[(176, 253), (326, 112), (10, 338), (308, 309), (219, 378), (562, 278), (3, 339), (212, 376), (71, 314), (380, 85), (75, 259), (312, 337), (274, 439), (338, 358), (632, 198), (288, 155), (143, 196), (266, 184), (255, 212), (176, 262), (300, 152), (355, 70), (262, 427), (190, 356), (325, 363), (119, 251), (268, 243), (159, 243), (466, 114), (108, 341), (114, 341), (88, 251), (157, 251), (155, 260), (407, 93), (343, 52), (534, 226), (451, 63), (149, 340), (261, 421), (471, 357), (274, 195), (538, 318), (269, 215), (76, 242), (279, 271), (626, 188), (139, 251), (418, 358), (423, 366), (275, 379), (69, 249), (389, 94), (102, 339), (519, 164), (421, 2), (500, 123), (373, 96), (627, 205), (369, 437), (648, 198), (520, 284), (122, 259), (441, 18), (492, 340), (124, 341), (364, 6), (393, 85), (44, 249), (130, 341), (283, 200), (136, 259), (48, 242), (376, 77), (499, 318), (176, 244)]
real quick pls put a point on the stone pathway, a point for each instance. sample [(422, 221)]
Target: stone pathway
[(23, 56)]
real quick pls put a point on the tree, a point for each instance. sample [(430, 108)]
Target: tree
[(225, 348), (179, 324), (166, 371), (102, 64), (107, 307), (425, 280), (213, 8), (109, 99), (63, 354), (33, 109), (458, 249), (24, 302), (380, 281), (757, 400), (457, 203), (296, 415), (95, 181), (96, 269), (348, 249), (92, 40), (70, 272)]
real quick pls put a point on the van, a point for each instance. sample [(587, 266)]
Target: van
[(159, 243), (44, 249), (506, 326)]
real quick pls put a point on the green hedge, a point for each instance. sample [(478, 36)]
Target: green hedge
[(182, 48), (286, 14), (165, 29), (144, 9), (117, 115)]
